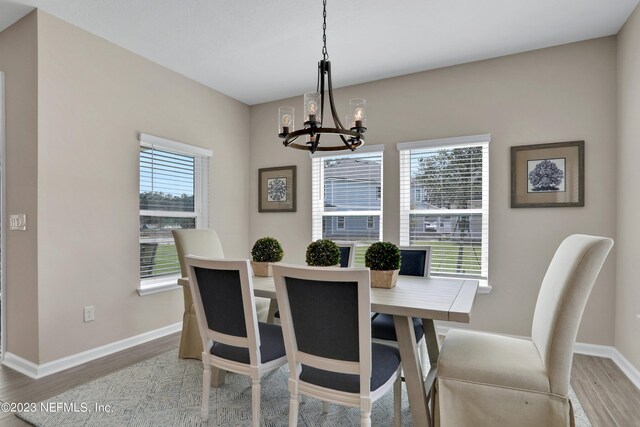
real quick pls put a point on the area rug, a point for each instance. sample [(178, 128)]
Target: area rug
[(166, 391)]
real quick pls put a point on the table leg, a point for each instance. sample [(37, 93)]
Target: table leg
[(412, 371), (433, 349), (273, 307)]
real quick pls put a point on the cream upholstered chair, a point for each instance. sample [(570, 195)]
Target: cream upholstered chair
[(232, 337), (491, 380), (333, 359), (206, 243)]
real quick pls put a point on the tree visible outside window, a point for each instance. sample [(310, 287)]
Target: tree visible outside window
[(448, 204), (172, 195)]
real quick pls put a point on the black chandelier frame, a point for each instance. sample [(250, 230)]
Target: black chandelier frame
[(352, 138)]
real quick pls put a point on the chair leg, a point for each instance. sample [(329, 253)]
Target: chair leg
[(206, 385), (293, 404), (365, 418), (365, 411), (397, 401), (325, 407), (255, 401)]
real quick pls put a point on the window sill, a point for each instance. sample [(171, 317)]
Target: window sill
[(155, 286), (484, 287)]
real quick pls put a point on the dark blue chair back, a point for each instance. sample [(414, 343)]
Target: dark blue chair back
[(221, 295), (335, 336), (414, 262)]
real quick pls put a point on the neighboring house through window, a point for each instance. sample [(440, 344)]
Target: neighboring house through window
[(347, 197), (444, 202), (173, 194)]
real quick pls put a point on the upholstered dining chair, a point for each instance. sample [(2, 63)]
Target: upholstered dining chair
[(492, 380), (206, 243), (333, 360), (232, 337), (347, 253), (414, 261)]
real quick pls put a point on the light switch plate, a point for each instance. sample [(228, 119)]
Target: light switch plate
[(18, 222)]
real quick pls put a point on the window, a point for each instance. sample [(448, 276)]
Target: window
[(347, 197), (444, 202), (173, 194)]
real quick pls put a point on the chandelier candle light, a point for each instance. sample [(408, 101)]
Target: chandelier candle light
[(351, 136)]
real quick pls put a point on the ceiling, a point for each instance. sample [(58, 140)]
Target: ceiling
[(257, 51)]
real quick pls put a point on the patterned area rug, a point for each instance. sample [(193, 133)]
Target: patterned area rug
[(166, 391)]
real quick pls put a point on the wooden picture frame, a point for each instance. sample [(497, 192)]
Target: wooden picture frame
[(547, 175), (277, 189)]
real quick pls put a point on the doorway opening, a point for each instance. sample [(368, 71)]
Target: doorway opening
[(3, 294)]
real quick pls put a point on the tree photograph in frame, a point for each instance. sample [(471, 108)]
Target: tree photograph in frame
[(277, 189), (547, 175)]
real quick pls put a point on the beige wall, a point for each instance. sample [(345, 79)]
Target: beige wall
[(558, 94), (628, 232), (19, 61), (93, 99)]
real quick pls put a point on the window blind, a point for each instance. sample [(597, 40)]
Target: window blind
[(347, 198), (173, 195), (444, 203)]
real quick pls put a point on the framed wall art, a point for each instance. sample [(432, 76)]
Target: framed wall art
[(277, 189), (547, 175)]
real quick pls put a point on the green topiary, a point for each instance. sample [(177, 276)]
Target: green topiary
[(323, 253), (267, 249), (382, 256)]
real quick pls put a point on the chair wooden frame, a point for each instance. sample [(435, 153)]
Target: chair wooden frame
[(296, 358), (255, 368), (352, 251)]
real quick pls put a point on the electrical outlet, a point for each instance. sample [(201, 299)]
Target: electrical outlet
[(89, 313), (18, 222)]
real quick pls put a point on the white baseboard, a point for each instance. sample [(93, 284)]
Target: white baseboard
[(35, 371), (597, 350), (625, 366)]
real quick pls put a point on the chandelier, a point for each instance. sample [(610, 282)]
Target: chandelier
[(351, 137)]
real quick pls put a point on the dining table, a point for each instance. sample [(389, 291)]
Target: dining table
[(430, 299)]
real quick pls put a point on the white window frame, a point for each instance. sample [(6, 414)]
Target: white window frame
[(201, 200), (317, 193), (405, 149)]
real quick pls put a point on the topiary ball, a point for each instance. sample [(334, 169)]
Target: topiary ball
[(323, 253), (267, 249), (382, 256)]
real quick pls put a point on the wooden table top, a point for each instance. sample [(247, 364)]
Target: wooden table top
[(432, 298)]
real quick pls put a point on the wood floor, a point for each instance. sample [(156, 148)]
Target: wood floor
[(607, 395)]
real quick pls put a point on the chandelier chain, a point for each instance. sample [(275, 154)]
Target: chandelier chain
[(325, 54)]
